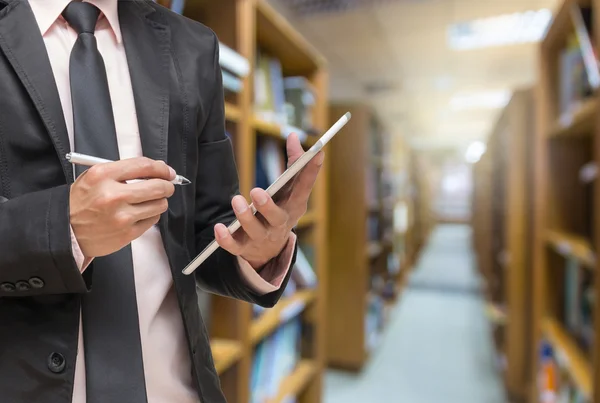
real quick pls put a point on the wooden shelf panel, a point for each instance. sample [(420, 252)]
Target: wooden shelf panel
[(560, 27), (267, 128), (273, 318), (296, 382), (572, 246), (276, 35), (578, 365), (225, 353), (273, 130), (580, 123), (232, 112)]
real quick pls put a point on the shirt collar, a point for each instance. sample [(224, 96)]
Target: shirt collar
[(48, 11)]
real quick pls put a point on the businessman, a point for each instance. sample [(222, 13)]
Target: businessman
[(93, 305)]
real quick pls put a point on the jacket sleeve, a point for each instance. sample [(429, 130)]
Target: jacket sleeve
[(36, 255), (216, 184)]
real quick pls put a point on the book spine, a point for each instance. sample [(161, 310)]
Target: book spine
[(233, 61)]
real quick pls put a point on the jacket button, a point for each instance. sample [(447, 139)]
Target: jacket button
[(36, 282), (7, 287), (22, 286), (56, 363)]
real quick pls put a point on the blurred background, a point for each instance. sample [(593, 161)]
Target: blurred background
[(447, 254)]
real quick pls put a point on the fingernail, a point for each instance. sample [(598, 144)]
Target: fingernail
[(260, 198), (239, 205), (173, 173), (221, 231)]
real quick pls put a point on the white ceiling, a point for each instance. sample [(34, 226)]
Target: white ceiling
[(403, 44)]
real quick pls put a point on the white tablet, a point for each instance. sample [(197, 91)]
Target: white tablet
[(275, 187)]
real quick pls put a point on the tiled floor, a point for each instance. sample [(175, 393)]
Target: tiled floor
[(437, 347)]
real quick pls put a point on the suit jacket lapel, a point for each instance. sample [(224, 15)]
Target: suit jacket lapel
[(23, 46), (147, 44)]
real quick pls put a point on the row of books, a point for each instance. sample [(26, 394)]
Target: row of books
[(275, 358), (374, 321), (286, 101), (579, 302), (555, 383), (578, 64), (587, 179), (234, 67)]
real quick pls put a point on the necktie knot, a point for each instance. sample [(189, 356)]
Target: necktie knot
[(82, 17)]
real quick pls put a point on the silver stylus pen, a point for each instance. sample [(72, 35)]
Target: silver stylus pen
[(87, 160)]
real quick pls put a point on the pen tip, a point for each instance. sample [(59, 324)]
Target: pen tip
[(185, 181)]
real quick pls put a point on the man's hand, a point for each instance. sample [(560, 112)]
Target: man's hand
[(107, 213), (262, 237)]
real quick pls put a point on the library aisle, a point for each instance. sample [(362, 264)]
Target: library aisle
[(438, 346)]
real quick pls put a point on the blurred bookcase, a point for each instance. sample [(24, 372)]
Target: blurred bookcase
[(503, 237), (566, 279), (275, 83), (366, 258)]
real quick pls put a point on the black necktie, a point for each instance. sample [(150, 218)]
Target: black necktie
[(113, 351)]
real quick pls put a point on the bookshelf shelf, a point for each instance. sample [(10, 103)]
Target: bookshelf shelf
[(232, 112), (578, 364), (285, 310), (572, 246), (277, 36), (579, 123), (249, 29), (267, 128), (296, 382), (225, 353)]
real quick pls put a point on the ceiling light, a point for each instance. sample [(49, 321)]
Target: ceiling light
[(502, 30), (480, 100), (475, 151)]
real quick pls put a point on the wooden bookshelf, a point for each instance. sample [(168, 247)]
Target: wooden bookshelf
[(357, 257), (565, 214), (247, 26), (578, 363), (296, 382), (503, 236), (288, 308)]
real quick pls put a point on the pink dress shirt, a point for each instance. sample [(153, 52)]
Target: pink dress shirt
[(167, 363)]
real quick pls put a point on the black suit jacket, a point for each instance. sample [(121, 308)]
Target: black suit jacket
[(179, 100)]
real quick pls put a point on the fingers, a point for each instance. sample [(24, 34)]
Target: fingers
[(294, 148), (307, 177), (140, 227), (227, 241), (132, 168), (152, 189), (149, 209), (251, 224), (276, 217)]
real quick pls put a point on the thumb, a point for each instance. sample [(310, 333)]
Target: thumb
[(294, 148)]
